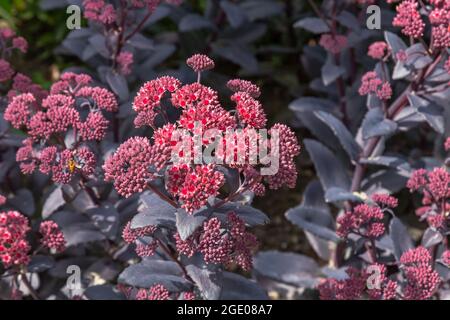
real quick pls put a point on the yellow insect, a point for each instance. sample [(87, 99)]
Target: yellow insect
[(72, 165)]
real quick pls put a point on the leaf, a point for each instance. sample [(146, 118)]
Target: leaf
[(250, 215), (340, 131), (393, 162), (40, 263), (395, 43), (236, 287), (205, 277), (106, 219), (312, 104), (417, 56), (98, 42), (83, 201), (54, 201), (400, 71), (313, 214), (150, 272), (313, 220), (375, 124), (289, 268), (234, 13), (139, 41), (79, 233), (188, 223), (330, 71), (237, 54), (155, 212), (386, 179), (335, 194), (118, 84), (257, 9), (232, 178), (329, 169), (320, 246), (349, 20), (160, 53), (103, 292), (314, 25), (23, 202), (400, 237), (319, 129), (191, 22), (431, 238), (46, 5), (430, 111)]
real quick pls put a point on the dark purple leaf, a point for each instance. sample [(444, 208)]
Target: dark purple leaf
[(54, 201), (400, 237), (312, 24), (236, 287), (150, 272), (289, 268), (341, 132)]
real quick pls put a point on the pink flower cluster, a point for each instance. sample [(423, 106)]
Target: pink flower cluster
[(140, 161), (371, 84), (348, 289), (125, 62), (8, 42), (421, 280), (440, 20), (445, 258), (377, 50), (221, 242), (250, 110), (14, 246), (409, 19), (192, 186), (23, 84), (129, 167), (52, 237), (357, 284), (239, 85), (72, 108), (200, 62), (156, 292), (435, 187), (333, 43), (366, 220), (145, 245), (99, 11), (6, 71), (447, 144)]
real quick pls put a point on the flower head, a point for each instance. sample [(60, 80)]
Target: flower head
[(377, 50), (239, 85), (129, 166), (194, 185), (200, 62), (408, 18), (6, 71), (14, 247), (333, 43), (52, 237)]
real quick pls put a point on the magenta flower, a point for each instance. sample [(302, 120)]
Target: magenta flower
[(52, 237)]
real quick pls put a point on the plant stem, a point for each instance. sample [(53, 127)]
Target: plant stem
[(33, 293), (175, 259)]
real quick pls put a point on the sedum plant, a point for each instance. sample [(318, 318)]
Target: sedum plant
[(401, 91)]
